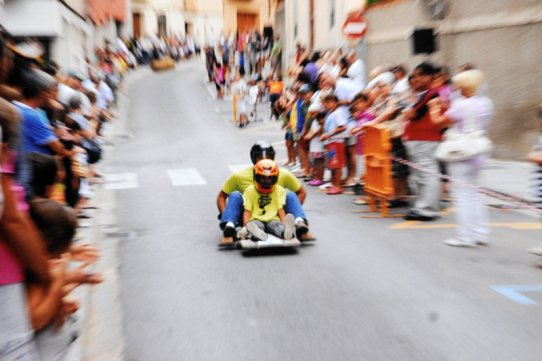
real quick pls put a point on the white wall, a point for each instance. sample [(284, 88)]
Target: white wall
[(32, 17)]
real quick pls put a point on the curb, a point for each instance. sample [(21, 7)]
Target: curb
[(99, 319)]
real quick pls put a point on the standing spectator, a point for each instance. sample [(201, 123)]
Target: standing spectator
[(37, 133), (316, 149), (401, 80), (471, 214), (21, 246), (422, 136), (334, 127), (356, 69), (276, 86), (240, 91), (535, 156)]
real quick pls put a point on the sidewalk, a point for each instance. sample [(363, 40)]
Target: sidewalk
[(99, 318), (513, 179)]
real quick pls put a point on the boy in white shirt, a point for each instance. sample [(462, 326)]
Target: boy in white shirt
[(240, 91)]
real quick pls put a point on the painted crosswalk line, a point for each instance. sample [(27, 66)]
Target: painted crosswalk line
[(121, 181), (516, 292), (185, 177)]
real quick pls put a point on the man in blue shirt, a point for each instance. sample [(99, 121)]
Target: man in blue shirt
[(36, 132)]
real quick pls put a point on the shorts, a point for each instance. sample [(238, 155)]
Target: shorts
[(352, 140), (16, 334), (303, 144), (289, 135), (336, 155), (317, 155), (398, 150)]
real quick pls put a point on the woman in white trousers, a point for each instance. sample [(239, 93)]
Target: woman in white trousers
[(475, 110)]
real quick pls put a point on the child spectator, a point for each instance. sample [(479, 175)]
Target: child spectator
[(220, 80), (264, 204), (333, 138), (316, 149), (49, 307), (284, 108), (240, 91), (253, 93), (275, 86), (362, 114)]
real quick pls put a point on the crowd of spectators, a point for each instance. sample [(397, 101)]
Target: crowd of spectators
[(327, 102), (51, 124)]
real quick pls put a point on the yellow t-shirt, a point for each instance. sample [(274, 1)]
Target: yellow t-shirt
[(241, 180), (264, 207)]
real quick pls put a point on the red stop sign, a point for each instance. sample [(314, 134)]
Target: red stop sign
[(355, 27)]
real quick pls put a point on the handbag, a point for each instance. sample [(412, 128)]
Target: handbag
[(458, 146)]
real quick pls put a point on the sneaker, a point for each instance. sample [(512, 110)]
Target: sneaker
[(229, 230), (398, 203), (457, 243), (414, 215), (256, 232), (537, 250), (360, 202), (289, 226), (334, 191), (301, 227), (307, 237), (325, 186)]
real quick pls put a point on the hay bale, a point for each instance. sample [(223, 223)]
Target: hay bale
[(162, 64)]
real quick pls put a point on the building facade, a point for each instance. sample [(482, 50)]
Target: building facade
[(501, 37), (157, 17), (69, 30), (246, 15)]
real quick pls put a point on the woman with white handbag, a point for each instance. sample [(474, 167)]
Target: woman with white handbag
[(465, 148)]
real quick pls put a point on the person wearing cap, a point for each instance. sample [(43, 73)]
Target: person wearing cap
[(230, 198)]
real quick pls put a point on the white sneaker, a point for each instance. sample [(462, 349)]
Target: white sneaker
[(537, 250), (457, 243), (289, 227), (325, 187)]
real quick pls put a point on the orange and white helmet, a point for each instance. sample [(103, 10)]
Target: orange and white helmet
[(266, 175)]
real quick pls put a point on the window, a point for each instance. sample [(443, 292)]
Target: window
[(333, 10), (295, 19)]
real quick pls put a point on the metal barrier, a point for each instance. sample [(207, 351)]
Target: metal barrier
[(378, 171)]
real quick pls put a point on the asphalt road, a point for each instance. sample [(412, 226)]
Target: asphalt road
[(368, 289)]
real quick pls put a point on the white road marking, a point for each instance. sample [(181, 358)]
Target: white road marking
[(121, 181), (185, 177)]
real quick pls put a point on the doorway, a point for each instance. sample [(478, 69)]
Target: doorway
[(136, 24), (246, 22)]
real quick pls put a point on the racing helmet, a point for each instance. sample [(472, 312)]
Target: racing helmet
[(262, 149), (266, 175)]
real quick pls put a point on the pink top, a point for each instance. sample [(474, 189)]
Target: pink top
[(10, 270), (364, 117)]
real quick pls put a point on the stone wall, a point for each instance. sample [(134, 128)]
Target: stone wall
[(501, 37)]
